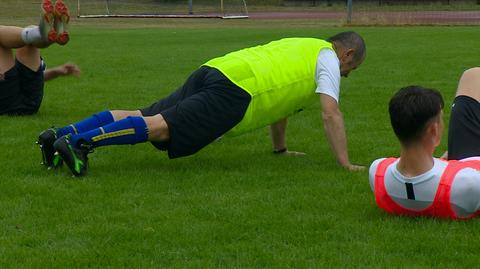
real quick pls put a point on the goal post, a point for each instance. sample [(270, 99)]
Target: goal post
[(162, 8)]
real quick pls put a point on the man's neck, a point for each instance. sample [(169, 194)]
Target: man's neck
[(338, 50), (415, 161)]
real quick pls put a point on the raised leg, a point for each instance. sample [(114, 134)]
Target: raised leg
[(29, 56), (464, 126), (11, 37), (469, 83), (6, 61)]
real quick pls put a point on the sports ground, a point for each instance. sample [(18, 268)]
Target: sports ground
[(234, 204)]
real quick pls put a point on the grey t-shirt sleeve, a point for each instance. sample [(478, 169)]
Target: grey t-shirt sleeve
[(465, 192)]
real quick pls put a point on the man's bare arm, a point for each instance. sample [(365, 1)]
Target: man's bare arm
[(335, 131), (62, 70), (278, 132)]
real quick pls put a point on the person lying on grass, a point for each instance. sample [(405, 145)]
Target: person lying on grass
[(417, 184)]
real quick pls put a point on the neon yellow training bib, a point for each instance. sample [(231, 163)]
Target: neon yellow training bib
[(280, 77)]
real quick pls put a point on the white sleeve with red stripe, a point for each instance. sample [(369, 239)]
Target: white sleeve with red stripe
[(372, 171), (465, 192)]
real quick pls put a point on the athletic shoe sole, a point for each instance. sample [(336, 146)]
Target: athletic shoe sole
[(62, 18), (47, 22)]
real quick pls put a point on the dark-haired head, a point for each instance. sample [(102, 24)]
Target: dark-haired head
[(412, 109)]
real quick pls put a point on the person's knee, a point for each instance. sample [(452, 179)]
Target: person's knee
[(472, 72), (469, 83), (158, 128)]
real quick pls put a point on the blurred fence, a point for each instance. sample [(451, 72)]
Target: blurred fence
[(379, 12), (442, 12), (362, 12)]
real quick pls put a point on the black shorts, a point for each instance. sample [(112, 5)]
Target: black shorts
[(21, 91), (464, 128), (200, 111)]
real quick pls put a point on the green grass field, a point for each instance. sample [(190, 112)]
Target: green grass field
[(234, 204)]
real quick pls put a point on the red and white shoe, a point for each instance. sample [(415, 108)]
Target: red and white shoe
[(62, 18), (47, 22)]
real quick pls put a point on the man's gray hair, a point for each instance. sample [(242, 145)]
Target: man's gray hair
[(351, 40)]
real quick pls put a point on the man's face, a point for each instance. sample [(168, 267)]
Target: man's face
[(347, 63), (346, 68)]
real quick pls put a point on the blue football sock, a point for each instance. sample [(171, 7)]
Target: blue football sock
[(131, 130), (96, 120)]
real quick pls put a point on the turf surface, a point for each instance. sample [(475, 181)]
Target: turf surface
[(234, 204)]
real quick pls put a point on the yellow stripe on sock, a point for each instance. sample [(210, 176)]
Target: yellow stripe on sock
[(104, 136)]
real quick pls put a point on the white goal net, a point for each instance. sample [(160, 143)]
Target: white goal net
[(162, 8)]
